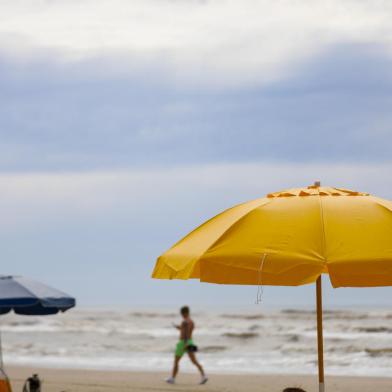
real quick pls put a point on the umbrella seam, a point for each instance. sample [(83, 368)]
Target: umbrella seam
[(267, 201), (262, 200), (322, 228), (28, 291), (41, 300), (209, 220)]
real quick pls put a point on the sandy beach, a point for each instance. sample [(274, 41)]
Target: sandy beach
[(100, 381)]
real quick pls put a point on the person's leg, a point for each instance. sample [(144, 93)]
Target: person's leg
[(176, 366), (192, 357), (172, 378), (179, 352)]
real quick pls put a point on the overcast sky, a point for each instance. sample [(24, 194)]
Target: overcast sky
[(123, 124)]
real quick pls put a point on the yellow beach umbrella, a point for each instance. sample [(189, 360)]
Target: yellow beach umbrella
[(291, 238)]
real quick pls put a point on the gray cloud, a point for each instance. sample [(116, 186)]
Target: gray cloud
[(69, 117)]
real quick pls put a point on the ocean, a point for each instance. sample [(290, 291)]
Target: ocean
[(259, 341)]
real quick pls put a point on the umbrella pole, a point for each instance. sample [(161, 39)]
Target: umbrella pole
[(1, 354), (320, 347)]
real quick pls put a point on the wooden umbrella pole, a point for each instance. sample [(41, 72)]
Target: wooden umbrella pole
[(320, 347)]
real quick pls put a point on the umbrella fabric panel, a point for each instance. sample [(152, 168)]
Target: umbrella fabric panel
[(279, 243), (181, 261), (358, 233)]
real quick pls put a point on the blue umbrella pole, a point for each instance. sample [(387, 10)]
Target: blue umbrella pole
[(1, 353)]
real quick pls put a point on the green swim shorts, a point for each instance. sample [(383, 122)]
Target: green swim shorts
[(181, 347)]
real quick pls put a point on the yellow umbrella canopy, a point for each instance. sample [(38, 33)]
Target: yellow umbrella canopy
[(290, 238)]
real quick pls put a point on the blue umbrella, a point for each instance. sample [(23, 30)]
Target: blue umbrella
[(26, 296)]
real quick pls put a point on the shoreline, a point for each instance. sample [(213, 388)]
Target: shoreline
[(80, 380)]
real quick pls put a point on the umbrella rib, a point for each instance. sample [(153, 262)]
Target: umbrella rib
[(29, 291), (263, 202), (207, 222)]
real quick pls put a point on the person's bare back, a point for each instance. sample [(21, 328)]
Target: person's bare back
[(187, 327)]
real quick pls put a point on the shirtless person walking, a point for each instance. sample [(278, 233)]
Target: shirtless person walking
[(186, 345)]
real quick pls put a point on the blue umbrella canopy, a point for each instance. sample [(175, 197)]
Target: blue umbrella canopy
[(26, 296)]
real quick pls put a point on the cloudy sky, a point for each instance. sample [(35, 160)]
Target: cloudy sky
[(123, 124)]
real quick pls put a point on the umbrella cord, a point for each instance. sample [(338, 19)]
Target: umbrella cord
[(260, 289)]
